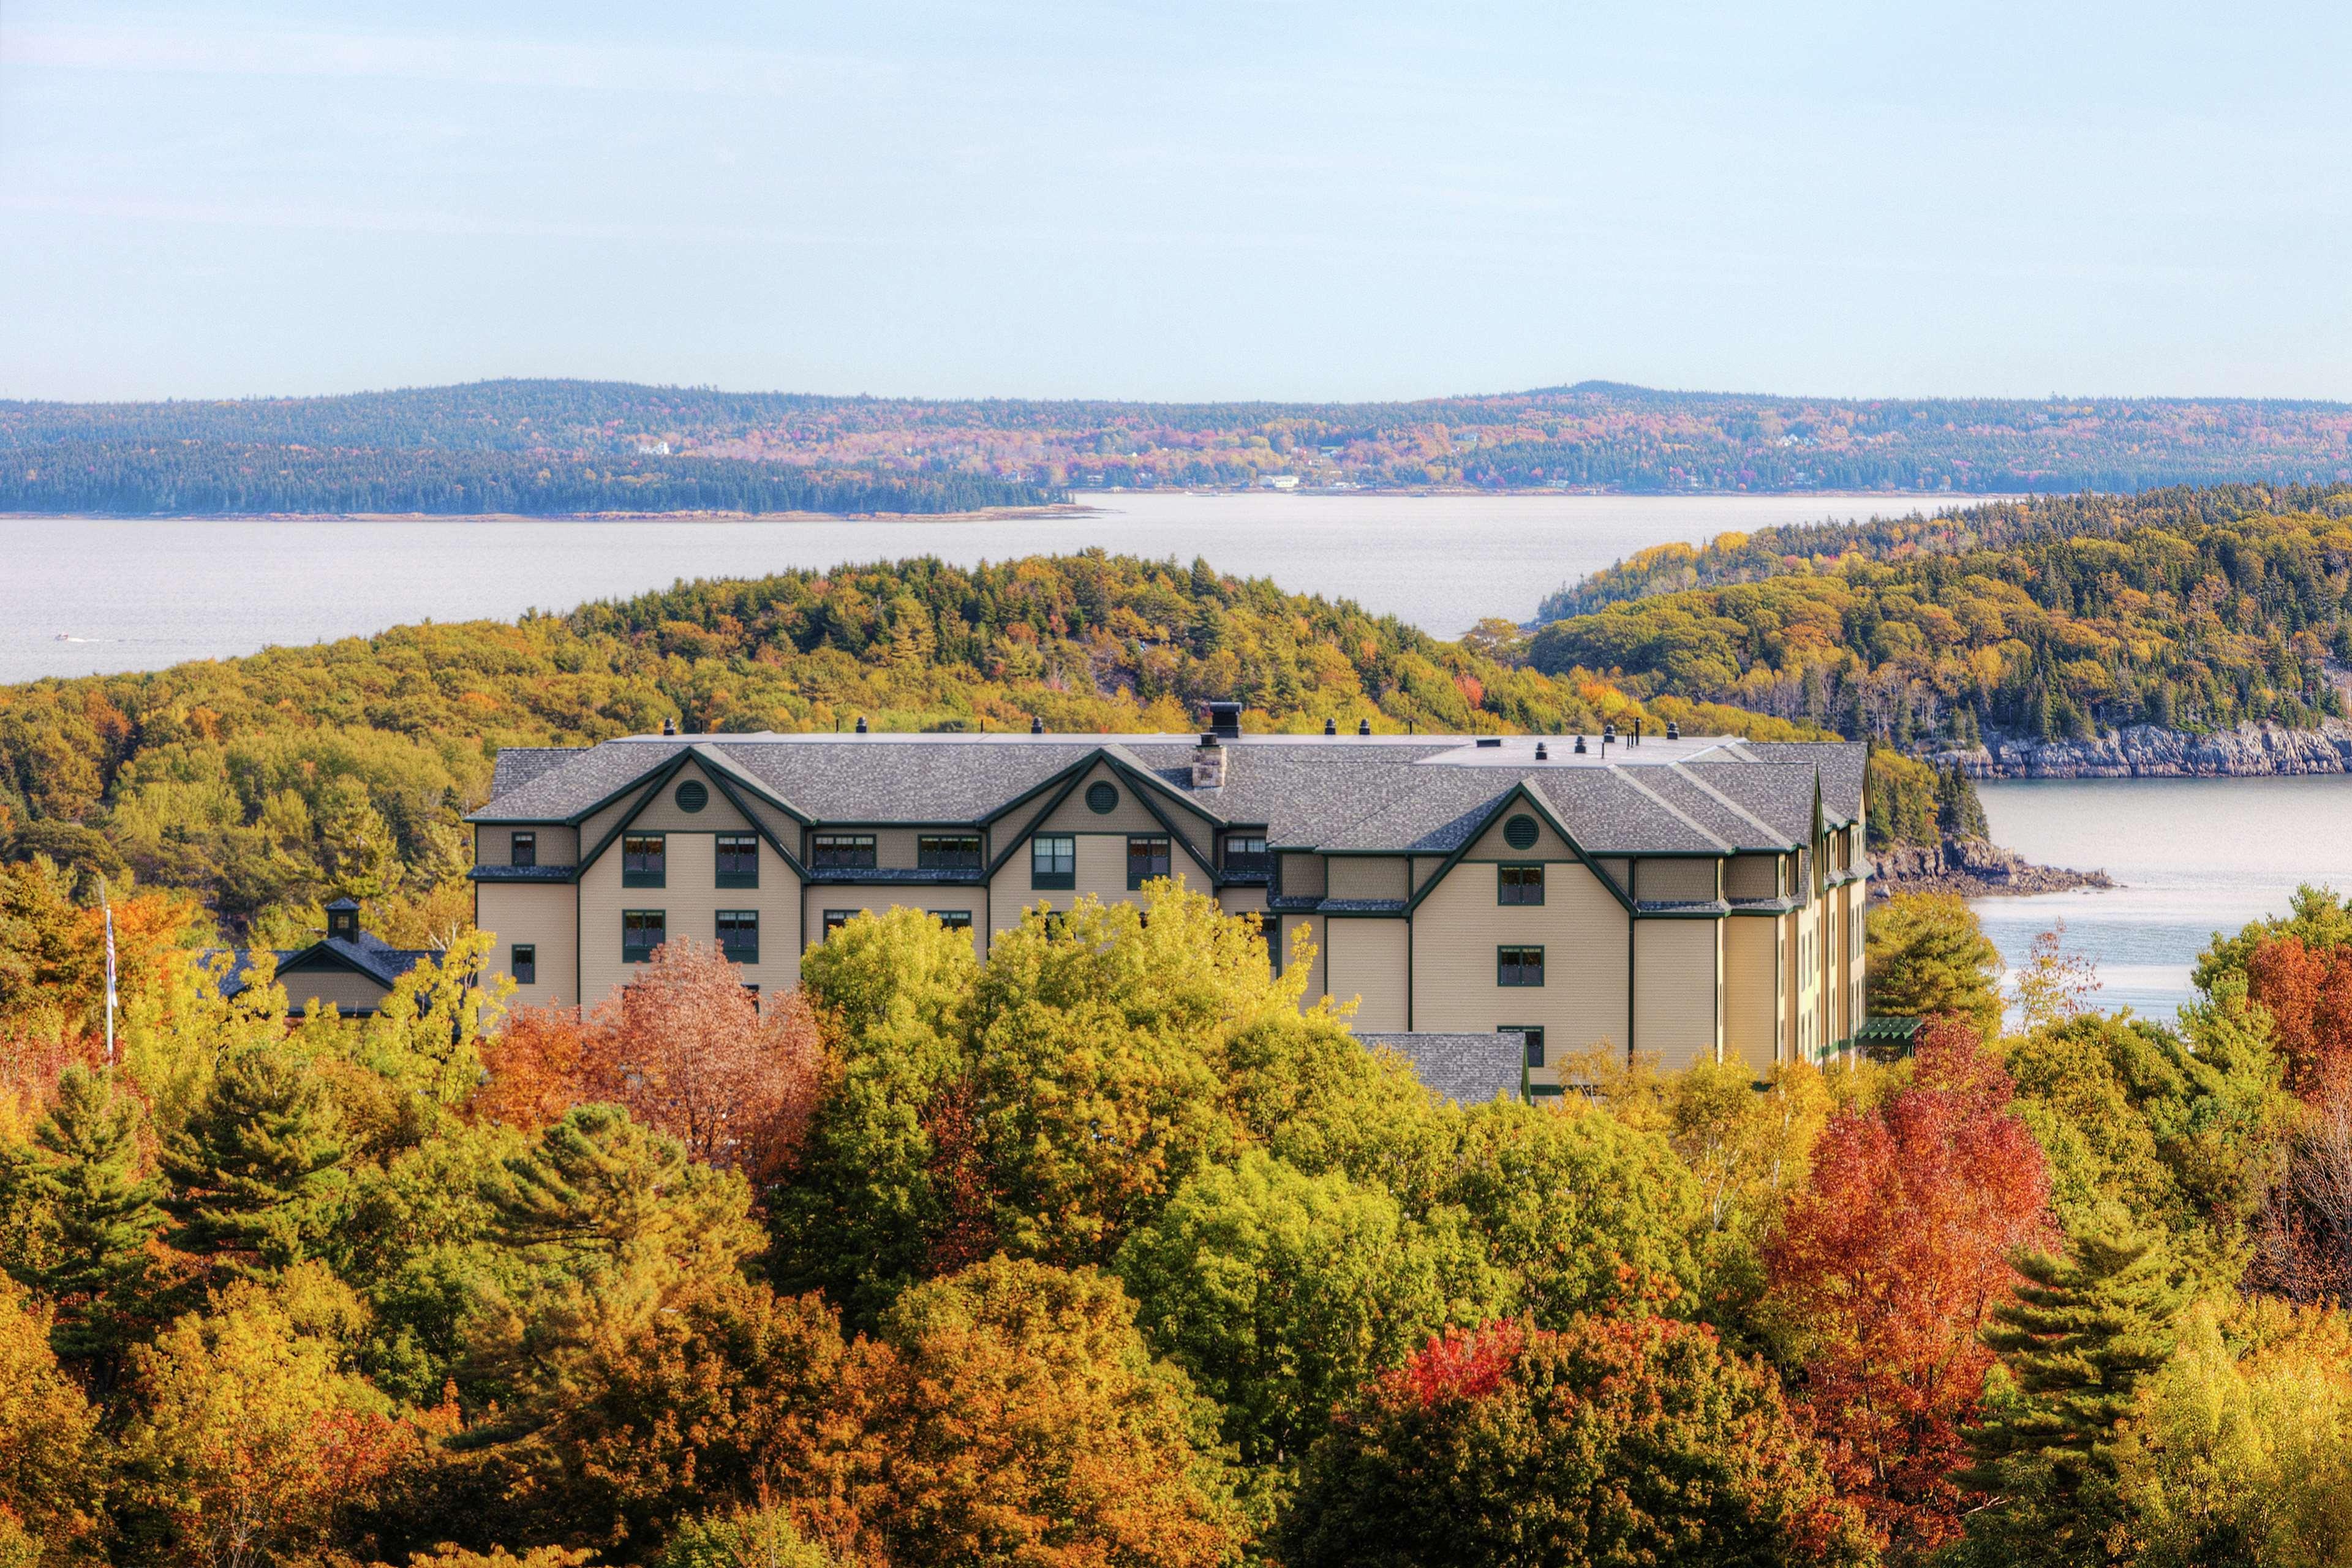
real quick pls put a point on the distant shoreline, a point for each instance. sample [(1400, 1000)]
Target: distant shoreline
[(1077, 507)]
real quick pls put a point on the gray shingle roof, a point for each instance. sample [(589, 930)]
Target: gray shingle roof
[(368, 954), (1469, 1069), (1426, 796)]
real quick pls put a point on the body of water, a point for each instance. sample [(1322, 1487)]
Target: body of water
[(146, 593), (2194, 856)]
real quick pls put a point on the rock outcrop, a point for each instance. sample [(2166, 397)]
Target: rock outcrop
[(2145, 752), (1972, 868)]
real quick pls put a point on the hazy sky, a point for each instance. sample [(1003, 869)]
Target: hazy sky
[(1176, 200)]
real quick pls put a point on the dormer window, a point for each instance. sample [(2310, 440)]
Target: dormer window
[(524, 849)]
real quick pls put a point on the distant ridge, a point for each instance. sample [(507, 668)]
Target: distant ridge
[(551, 446)]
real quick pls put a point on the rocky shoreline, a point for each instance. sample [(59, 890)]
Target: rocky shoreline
[(2146, 752), (1972, 868)]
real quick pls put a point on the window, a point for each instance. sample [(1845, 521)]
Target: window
[(524, 964), (948, 852), (1053, 860), (1519, 884), (691, 797), (1519, 966), (1534, 1038), (754, 993), (1101, 798), (739, 935), (836, 919), (1147, 856), (738, 859), (642, 930), (954, 919), (523, 850), (843, 851), (1245, 855), (1520, 832), (643, 857)]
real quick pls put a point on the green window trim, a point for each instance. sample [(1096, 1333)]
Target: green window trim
[(737, 858), (1519, 965), (947, 852), (1519, 884), (1149, 857), (1534, 1034), (523, 963), (523, 848), (954, 920), (645, 861), (842, 852), (836, 919), (1054, 861), (642, 932), (739, 935)]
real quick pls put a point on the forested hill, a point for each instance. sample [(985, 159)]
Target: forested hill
[(2188, 610), (566, 446), (270, 783)]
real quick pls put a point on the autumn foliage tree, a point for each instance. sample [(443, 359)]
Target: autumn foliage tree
[(2307, 990), (1888, 1263), (1612, 1441)]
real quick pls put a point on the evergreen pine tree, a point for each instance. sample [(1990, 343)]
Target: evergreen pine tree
[(2082, 1332), (105, 1212), (254, 1169)]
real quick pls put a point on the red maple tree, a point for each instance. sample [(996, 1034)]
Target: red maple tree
[(1888, 1263), (2308, 993)]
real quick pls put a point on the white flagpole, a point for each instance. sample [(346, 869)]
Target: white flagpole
[(109, 908)]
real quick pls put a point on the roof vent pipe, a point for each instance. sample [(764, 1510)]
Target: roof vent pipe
[(1225, 719), (1363, 726), (861, 723), (669, 726), (1331, 726), (1036, 724), (1673, 731), (1580, 745), (1542, 755)]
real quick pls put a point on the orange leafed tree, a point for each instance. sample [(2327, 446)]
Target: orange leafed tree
[(686, 1049), (1888, 1263), (2308, 993)]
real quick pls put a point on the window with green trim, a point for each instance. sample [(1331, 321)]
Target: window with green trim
[(1053, 860), (1535, 1038), (524, 966), (948, 852), (641, 933), (836, 919), (954, 920), (842, 852), (739, 935), (1519, 966), (1146, 858), (643, 857), (738, 859), (1519, 884)]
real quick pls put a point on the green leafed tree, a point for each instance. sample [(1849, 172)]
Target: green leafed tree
[(1926, 953)]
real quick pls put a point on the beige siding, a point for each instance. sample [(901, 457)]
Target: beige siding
[(1368, 876), (1581, 928), (545, 915), (1247, 900), (664, 815), (1075, 816), (1302, 876), (1319, 977), (690, 900), (1676, 967), (1424, 868), (1675, 879), (558, 844), (1492, 845), (1368, 963), (1752, 877), (1619, 872), (1751, 995), (350, 992), (882, 897)]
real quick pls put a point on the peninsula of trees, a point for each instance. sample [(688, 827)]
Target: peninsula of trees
[(2059, 617), (569, 446)]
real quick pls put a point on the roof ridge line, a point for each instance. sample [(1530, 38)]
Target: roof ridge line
[(1725, 801), (1666, 806)]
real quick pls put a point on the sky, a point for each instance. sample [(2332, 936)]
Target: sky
[(1262, 199)]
